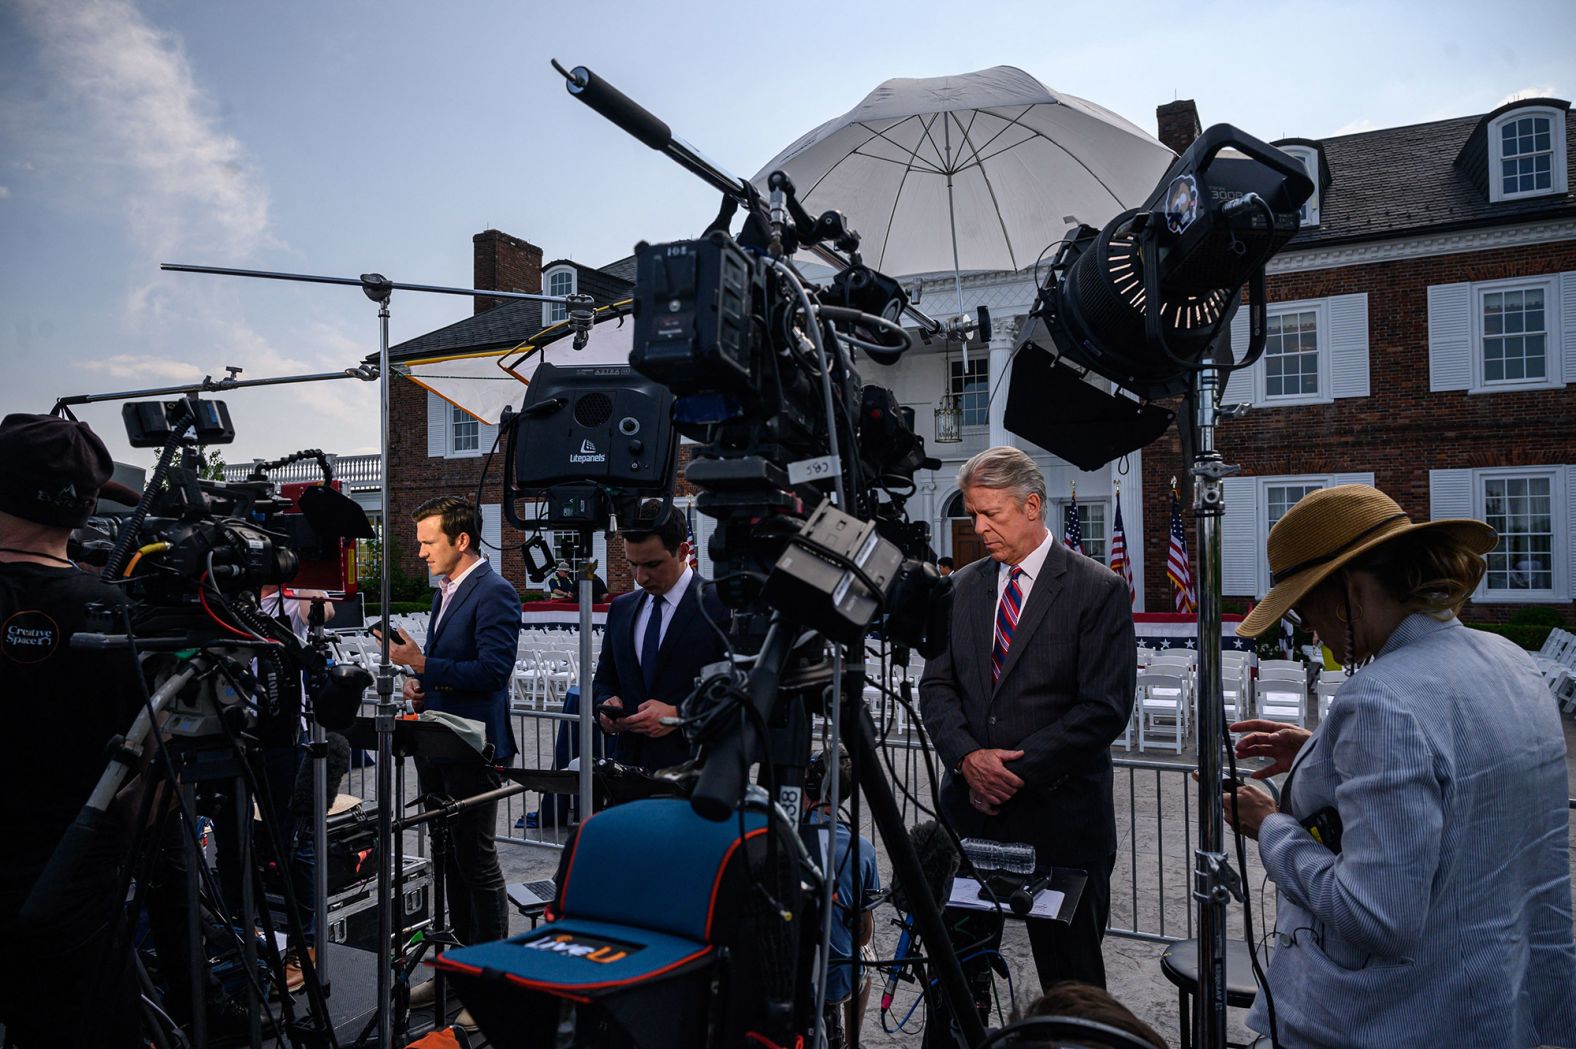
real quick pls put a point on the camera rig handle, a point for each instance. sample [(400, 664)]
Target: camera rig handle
[(628, 114)]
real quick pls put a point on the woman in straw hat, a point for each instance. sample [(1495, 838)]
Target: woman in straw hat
[(1420, 847)]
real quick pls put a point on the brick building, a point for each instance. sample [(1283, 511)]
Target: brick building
[(436, 448), (1422, 338)]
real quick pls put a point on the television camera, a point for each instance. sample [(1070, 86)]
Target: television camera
[(194, 553), (222, 679)]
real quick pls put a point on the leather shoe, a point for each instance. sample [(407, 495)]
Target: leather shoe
[(295, 979), (465, 1020)]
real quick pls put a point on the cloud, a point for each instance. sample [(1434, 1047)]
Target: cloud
[(143, 367), (1354, 127), (1546, 91), (142, 110), (5, 191)]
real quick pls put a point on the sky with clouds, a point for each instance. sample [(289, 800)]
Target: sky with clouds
[(358, 136)]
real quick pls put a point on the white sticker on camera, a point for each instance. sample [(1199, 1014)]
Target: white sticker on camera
[(807, 470)]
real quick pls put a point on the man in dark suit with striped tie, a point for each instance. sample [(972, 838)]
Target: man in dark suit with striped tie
[(657, 640), (1036, 682)]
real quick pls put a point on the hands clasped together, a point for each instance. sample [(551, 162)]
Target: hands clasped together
[(991, 783)]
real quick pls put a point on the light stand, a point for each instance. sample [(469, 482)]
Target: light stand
[(1214, 880), (380, 289), (587, 709)]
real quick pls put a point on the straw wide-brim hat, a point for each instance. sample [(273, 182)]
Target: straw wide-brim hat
[(1327, 529)]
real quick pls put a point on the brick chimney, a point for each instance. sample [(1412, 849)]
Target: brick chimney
[(1178, 125), (505, 263)]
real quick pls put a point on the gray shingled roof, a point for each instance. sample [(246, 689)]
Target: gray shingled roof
[(1423, 177), (510, 324)]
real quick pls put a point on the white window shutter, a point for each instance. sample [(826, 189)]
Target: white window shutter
[(1449, 337), (1449, 494), (704, 526), (487, 433), (599, 553), (1239, 387), (1348, 343), (437, 426), (492, 533), (1353, 478), (1241, 547), (1567, 286), (1569, 575)]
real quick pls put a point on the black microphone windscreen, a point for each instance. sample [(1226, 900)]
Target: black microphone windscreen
[(938, 862)]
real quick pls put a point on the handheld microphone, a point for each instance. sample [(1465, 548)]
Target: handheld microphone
[(1022, 899), (895, 972)]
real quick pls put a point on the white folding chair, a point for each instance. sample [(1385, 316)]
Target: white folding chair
[(1162, 698), (1282, 695)]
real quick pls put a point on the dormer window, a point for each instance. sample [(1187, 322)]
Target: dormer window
[(1308, 156), (1527, 153), (560, 281)]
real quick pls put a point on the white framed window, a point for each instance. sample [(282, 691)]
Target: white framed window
[(465, 433), (559, 281), (1309, 157), (1092, 522), (1531, 509), (453, 433), (1493, 336), (1253, 506), (1520, 507), (1513, 332), (1294, 366), (1315, 352), (970, 384), (1526, 154)]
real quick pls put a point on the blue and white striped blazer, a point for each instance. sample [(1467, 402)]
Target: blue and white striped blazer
[(1446, 918)]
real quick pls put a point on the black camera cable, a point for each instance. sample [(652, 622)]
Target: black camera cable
[(1247, 903)]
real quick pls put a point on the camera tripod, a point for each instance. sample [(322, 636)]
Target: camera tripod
[(199, 704)]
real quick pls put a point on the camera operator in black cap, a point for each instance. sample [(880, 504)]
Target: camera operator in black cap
[(60, 709)]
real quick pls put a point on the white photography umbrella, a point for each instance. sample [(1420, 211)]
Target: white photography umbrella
[(974, 172)]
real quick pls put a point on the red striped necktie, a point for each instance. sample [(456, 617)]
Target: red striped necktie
[(1007, 611)]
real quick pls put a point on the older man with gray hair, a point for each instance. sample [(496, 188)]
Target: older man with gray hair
[(1036, 682)]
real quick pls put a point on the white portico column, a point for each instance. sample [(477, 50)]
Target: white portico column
[(1002, 341)]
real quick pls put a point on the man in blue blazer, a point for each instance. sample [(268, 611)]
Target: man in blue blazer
[(658, 637), (465, 670)]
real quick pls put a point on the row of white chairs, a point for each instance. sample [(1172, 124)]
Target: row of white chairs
[(1556, 660), (1167, 685)]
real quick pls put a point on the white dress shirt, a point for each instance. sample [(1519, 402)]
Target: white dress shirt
[(670, 603), (1031, 566), (449, 586)]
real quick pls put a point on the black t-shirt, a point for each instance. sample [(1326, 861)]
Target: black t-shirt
[(58, 709)]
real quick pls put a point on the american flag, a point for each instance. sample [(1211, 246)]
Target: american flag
[(689, 523), (1178, 568), (1074, 534), (1119, 560)]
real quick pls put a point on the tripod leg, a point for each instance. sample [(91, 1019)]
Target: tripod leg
[(194, 947), (861, 734), (243, 832)]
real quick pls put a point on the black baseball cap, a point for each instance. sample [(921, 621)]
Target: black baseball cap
[(51, 469)]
